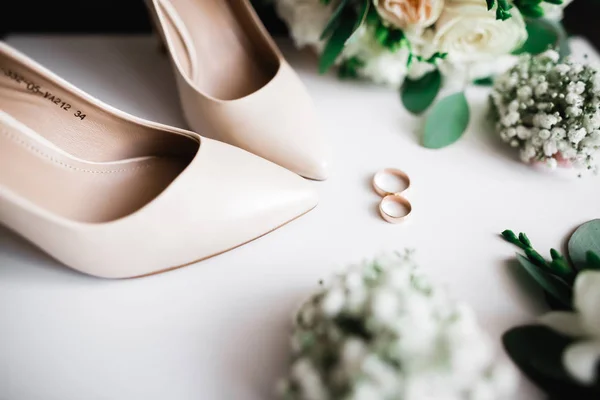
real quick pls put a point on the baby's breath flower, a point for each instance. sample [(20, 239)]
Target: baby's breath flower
[(383, 330), (550, 110)]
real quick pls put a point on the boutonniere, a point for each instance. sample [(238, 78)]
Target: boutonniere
[(561, 353)]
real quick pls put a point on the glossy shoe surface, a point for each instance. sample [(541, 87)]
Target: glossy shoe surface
[(115, 196), (236, 87)]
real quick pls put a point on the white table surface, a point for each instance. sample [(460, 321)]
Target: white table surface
[(219, 329)]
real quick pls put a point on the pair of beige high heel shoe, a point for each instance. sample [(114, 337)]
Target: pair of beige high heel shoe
[(116, 196)]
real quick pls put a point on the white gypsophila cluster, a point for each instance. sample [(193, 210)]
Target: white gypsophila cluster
[(306, 20), (381, 65), (550, 110), (382, 331)]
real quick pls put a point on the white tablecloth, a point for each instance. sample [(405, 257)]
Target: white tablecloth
[(219, 329)]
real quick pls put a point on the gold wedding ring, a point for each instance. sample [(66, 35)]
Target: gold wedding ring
[(392, 193), (380, 176), (399, 200)]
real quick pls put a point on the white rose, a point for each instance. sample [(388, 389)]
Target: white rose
[(409, 13), (469, 32)]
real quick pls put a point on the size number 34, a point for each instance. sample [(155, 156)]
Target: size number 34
[(79, 115)]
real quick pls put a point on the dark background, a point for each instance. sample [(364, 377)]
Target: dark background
[(582, 17)]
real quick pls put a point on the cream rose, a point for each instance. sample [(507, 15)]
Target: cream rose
[(469, 32), (409, 14)]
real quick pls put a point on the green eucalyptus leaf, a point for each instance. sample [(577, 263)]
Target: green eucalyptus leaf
[(335, 44), (362, 14), (586, 238), (537, 351), (543, 34), (335, 19), (447, 121), (553, 285), (417, 95), (490, 4)]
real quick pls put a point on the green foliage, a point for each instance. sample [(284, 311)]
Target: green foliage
[(344, 21), (544, 34), (533, 8), (528, 8), (556, 277), (537, 351), (349, 68), (417, 95), (436, 56), (447, 121), (585, 239), (551, 284)]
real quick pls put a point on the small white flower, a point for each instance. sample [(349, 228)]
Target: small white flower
[(510, 119), (573, 111), (511, 132), (307, 376), (551, 163), (574, 99), (592, 122), (541, 89), (562, 68), (551, 55), (577, 87), (306, 20), (524, 92), (528, 153), (558, 133), (544, 134), (333, 302), (576, 135), (385, 305), (550, 148), (523, 133), (513, 106)]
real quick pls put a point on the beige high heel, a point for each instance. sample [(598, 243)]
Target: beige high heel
[(235, 86), (116, 196)]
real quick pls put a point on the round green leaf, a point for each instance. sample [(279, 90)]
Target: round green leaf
[(586, 238), (543, 34), (417, 95), (447, 121)]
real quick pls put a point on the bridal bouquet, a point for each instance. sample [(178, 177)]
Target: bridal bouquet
[(416, 45)]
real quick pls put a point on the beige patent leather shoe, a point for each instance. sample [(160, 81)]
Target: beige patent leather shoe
[(116, 196), (235, 86)]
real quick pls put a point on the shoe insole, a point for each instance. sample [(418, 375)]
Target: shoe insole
[(218, 47), (75, 159)]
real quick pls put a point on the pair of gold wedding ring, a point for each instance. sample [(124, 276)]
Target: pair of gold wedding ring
[(392, 198)]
